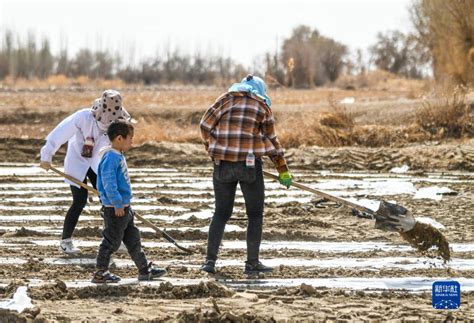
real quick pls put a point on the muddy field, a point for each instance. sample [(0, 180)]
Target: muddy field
[(329, 264)]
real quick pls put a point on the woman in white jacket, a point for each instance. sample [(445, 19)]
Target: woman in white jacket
[(85, 132)]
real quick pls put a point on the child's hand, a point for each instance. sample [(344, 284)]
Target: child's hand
[(119, 212)]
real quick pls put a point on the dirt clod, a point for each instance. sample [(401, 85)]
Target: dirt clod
[(424, 236)]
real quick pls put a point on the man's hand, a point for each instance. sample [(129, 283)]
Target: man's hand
[(119, 212), (45, 165), (285, 179)]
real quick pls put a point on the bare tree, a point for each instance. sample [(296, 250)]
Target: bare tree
[(63, 65), (103, 65), (398, 53), (27, 59), (82, 63), (45, 60), (6, 53), (315, 59), (446, 29)]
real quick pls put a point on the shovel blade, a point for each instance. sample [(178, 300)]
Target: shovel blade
[(394, 218)]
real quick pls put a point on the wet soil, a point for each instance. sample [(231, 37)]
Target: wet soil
[(316, 220)]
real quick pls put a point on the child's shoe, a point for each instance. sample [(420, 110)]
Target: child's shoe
[(105, 276), (150, 273)]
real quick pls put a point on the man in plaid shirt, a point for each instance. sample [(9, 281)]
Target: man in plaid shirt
[(237, 130)]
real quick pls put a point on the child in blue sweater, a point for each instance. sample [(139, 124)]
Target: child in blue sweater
[(113, 184)]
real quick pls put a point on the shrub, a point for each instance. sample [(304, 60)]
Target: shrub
[(447, 116)]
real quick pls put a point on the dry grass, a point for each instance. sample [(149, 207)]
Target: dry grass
[(59, 81), (327, 128), (304, 117), (297, 131), (337, 117), (336, 127), (85, 90), (447, 116), (382, 81), (380, 136), (162, 130)]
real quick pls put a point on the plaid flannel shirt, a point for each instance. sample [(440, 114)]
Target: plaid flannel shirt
[(239, 123)]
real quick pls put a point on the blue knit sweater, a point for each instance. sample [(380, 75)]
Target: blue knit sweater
[(113, 182)]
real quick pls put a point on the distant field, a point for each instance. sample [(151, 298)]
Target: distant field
[(173, 113)]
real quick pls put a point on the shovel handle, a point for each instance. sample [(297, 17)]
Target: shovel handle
[(325, 195), (163, 233), (74, 180), (138, 216)]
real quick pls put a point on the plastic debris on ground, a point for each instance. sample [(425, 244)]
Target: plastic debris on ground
[(19, 302)]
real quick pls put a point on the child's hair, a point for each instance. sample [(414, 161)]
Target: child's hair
[(119, 128)]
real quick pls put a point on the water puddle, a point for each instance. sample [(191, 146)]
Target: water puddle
[(56, 231), (374, 186), (370, 204), (12, 261), (433, 193), (375, 264), (326, 247), (174, 178), (147, 170), (32, 186), (367, 187), (175, 192), (6, 169), (38, 199), (411, 284), (159, 207), (403, 263), (228, 228), (91, 208), (203, 214), (322, 247), (47, 218), (96, 243), (20, 171), (282, 199), (34, 192), (41, 229), (86, 262), (198, 185), (430, 221)]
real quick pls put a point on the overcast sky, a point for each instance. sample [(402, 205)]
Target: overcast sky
[(240, 29)]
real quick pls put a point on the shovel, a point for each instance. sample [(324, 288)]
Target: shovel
[(393, 218), (138, 216), (389, 216)]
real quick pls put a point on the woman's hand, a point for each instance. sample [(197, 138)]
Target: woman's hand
[(285, 179), (45, 165)]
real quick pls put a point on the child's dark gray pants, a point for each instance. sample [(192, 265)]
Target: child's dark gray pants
[(116, 230)]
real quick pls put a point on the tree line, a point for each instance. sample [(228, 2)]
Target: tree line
[(441, 43), (33, 59)]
